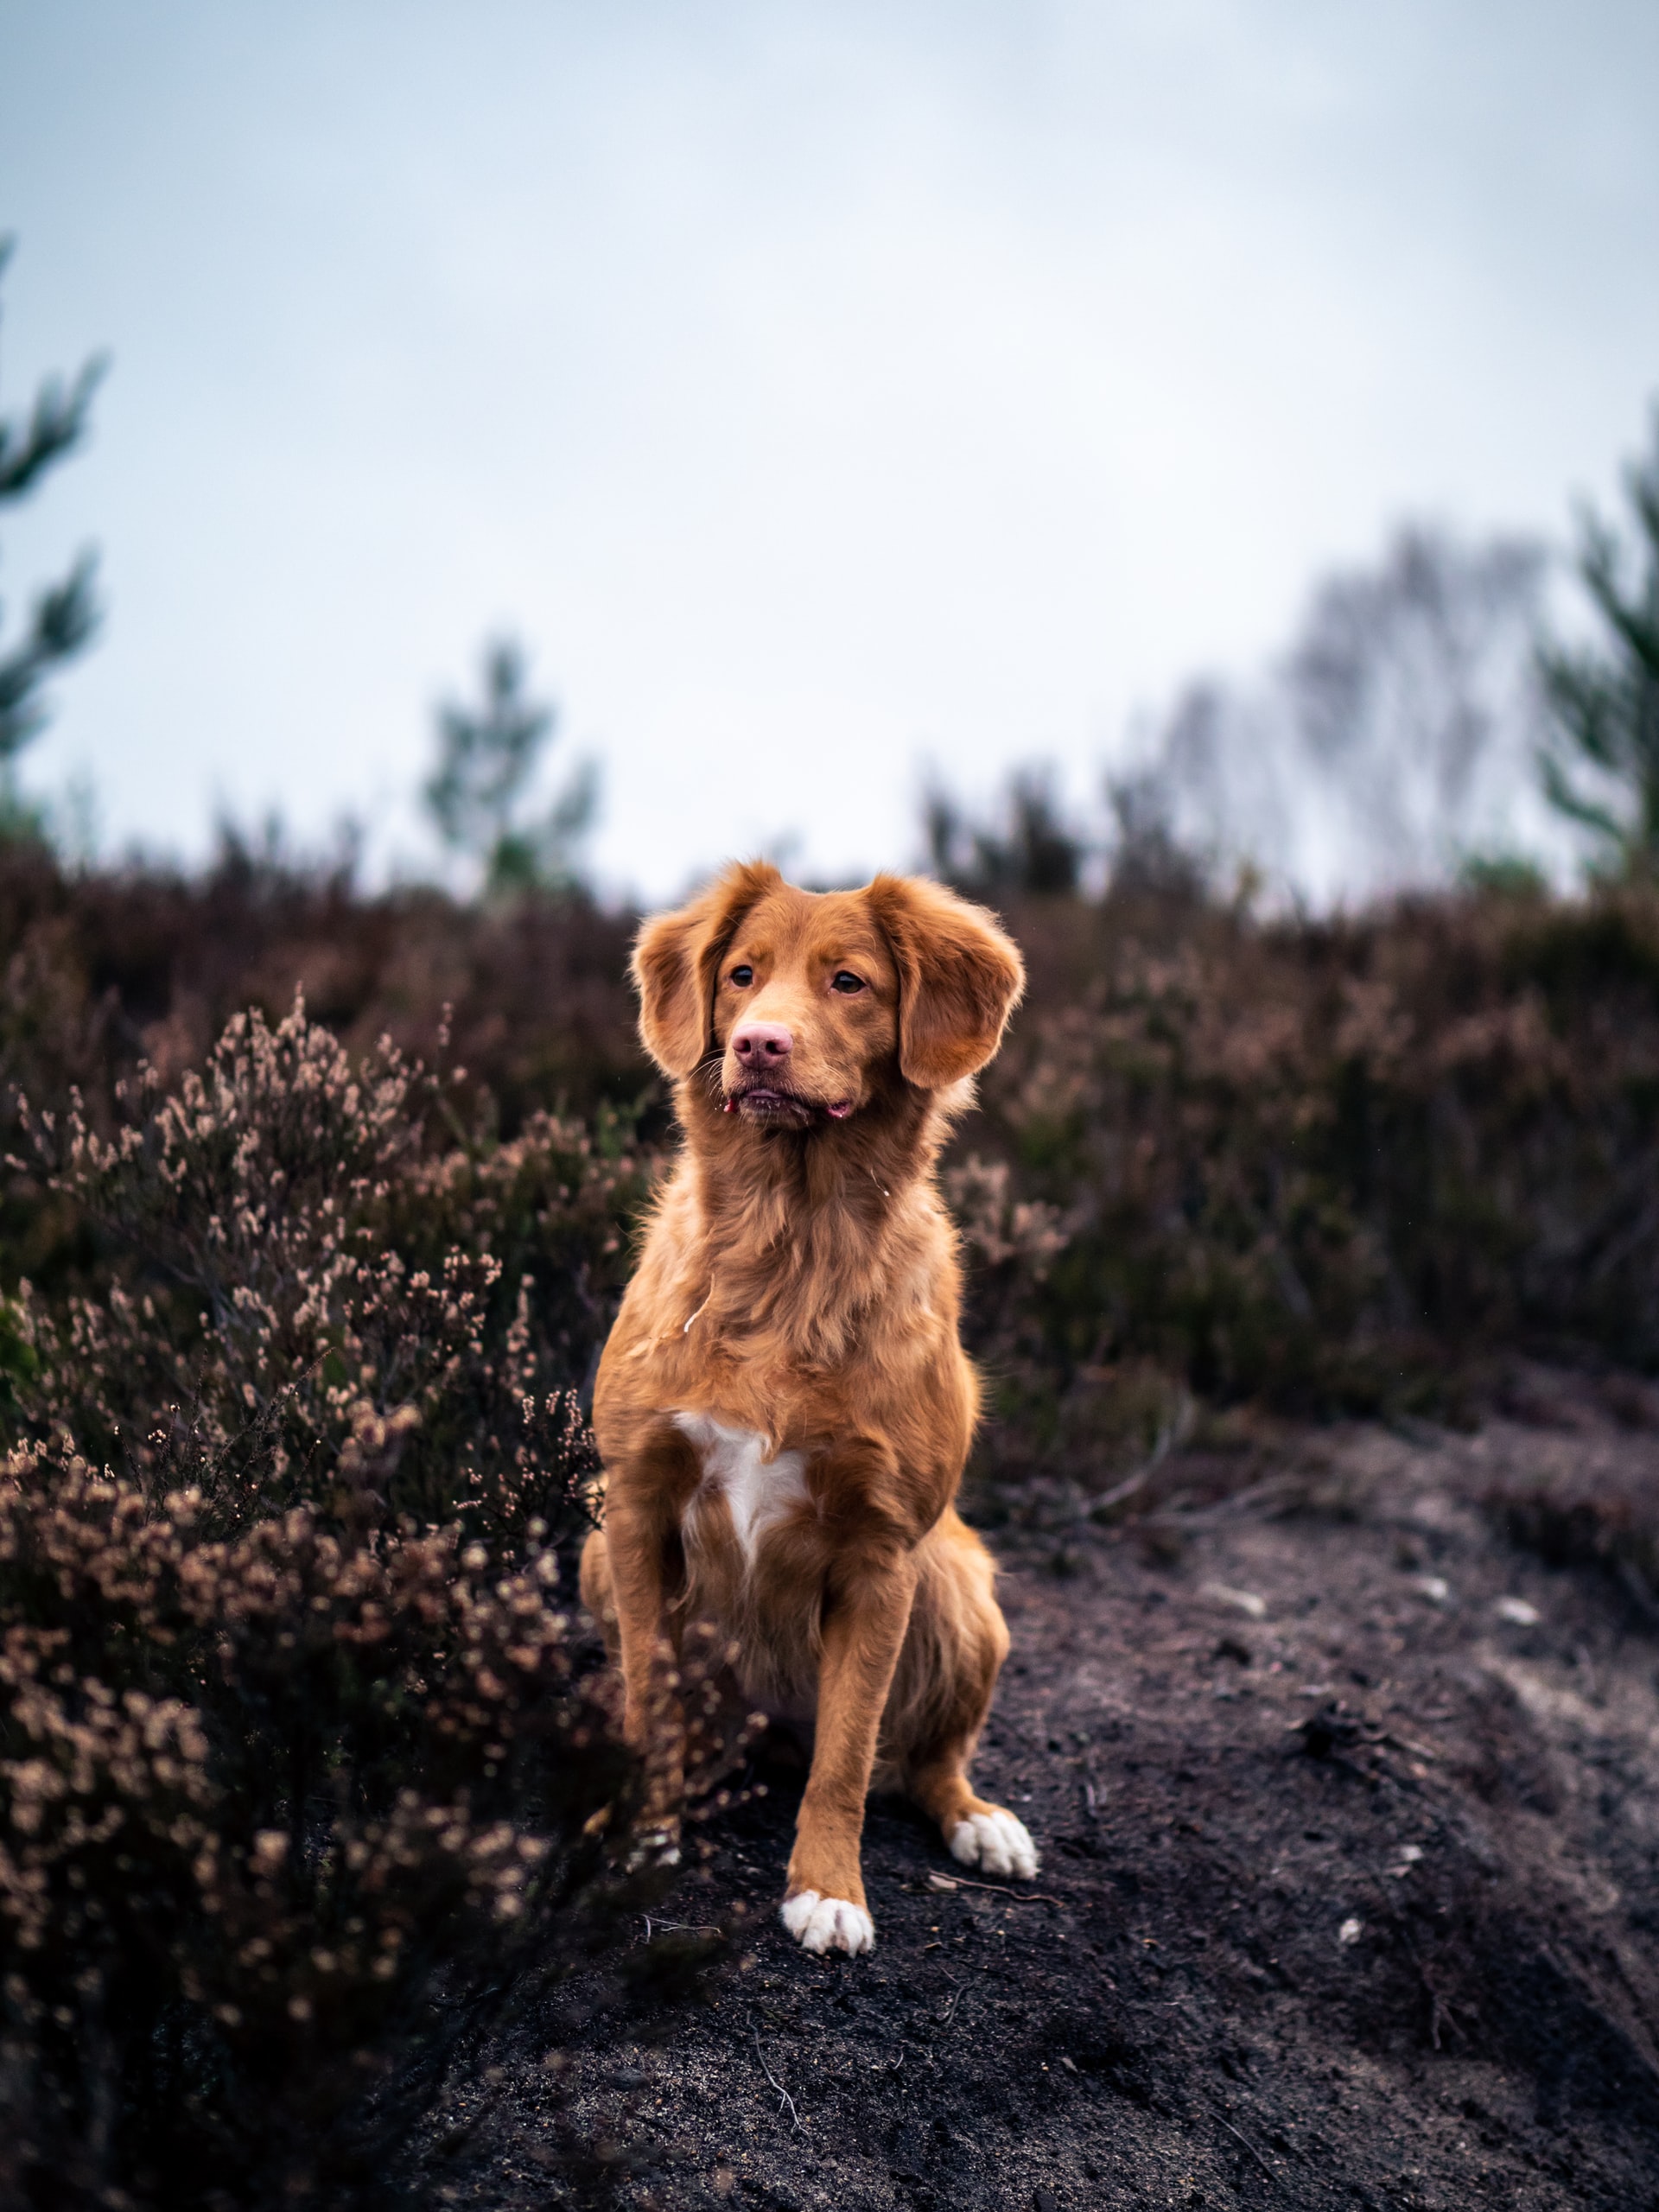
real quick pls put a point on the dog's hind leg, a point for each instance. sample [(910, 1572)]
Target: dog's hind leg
[(978, 1832), (958, 1642)]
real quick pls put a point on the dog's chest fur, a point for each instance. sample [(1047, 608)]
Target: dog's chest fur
[(758, 1491)]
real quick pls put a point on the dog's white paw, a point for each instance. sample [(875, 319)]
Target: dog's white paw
[(996, 1842), (828, 1924)]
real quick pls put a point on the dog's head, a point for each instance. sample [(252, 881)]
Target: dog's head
[(812, 1005)]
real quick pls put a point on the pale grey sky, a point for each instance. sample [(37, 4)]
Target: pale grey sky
[(818, 389)]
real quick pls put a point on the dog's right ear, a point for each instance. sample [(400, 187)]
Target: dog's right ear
[(676, 957)]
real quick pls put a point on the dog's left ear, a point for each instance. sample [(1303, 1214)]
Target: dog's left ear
[(674, 960), (960, 977)]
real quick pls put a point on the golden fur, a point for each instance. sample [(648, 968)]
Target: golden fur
[(783, 1407)]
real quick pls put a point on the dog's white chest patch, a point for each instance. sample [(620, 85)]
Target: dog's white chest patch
[(758, 1492)]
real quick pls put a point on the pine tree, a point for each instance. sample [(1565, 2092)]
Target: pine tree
[(65, 615), (1601, 764), (487, 758)]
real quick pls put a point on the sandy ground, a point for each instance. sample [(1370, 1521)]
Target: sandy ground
[(1350, 1832)]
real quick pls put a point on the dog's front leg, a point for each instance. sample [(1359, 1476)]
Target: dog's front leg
[(642, 1505), (864, 1632)]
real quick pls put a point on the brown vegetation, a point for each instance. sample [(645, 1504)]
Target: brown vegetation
[(1334, 1165), (292, 1743), (298, 1771)]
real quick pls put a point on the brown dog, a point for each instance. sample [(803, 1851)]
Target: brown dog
[(783, 1407)]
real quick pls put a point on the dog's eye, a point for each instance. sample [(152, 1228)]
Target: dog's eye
[(846, 981), (742, 977)]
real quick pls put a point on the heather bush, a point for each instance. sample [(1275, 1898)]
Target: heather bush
[(301, 1251), (1333, 1165), (101, 970), (297, 1773)]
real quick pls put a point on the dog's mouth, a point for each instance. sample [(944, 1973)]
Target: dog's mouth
[(771, 1101)]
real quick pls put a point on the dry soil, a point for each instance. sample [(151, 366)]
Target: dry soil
[(1350, 1832)]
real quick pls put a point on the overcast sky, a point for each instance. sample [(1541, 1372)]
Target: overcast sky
[(819, 390)]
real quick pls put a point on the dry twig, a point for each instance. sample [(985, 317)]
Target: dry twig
[(782, 2092), (1249, 2147), (948, 1882)]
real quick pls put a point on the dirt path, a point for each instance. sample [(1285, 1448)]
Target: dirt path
[(1351, 1834)]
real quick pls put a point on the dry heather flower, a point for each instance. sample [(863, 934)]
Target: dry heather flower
[(995, 1225)]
